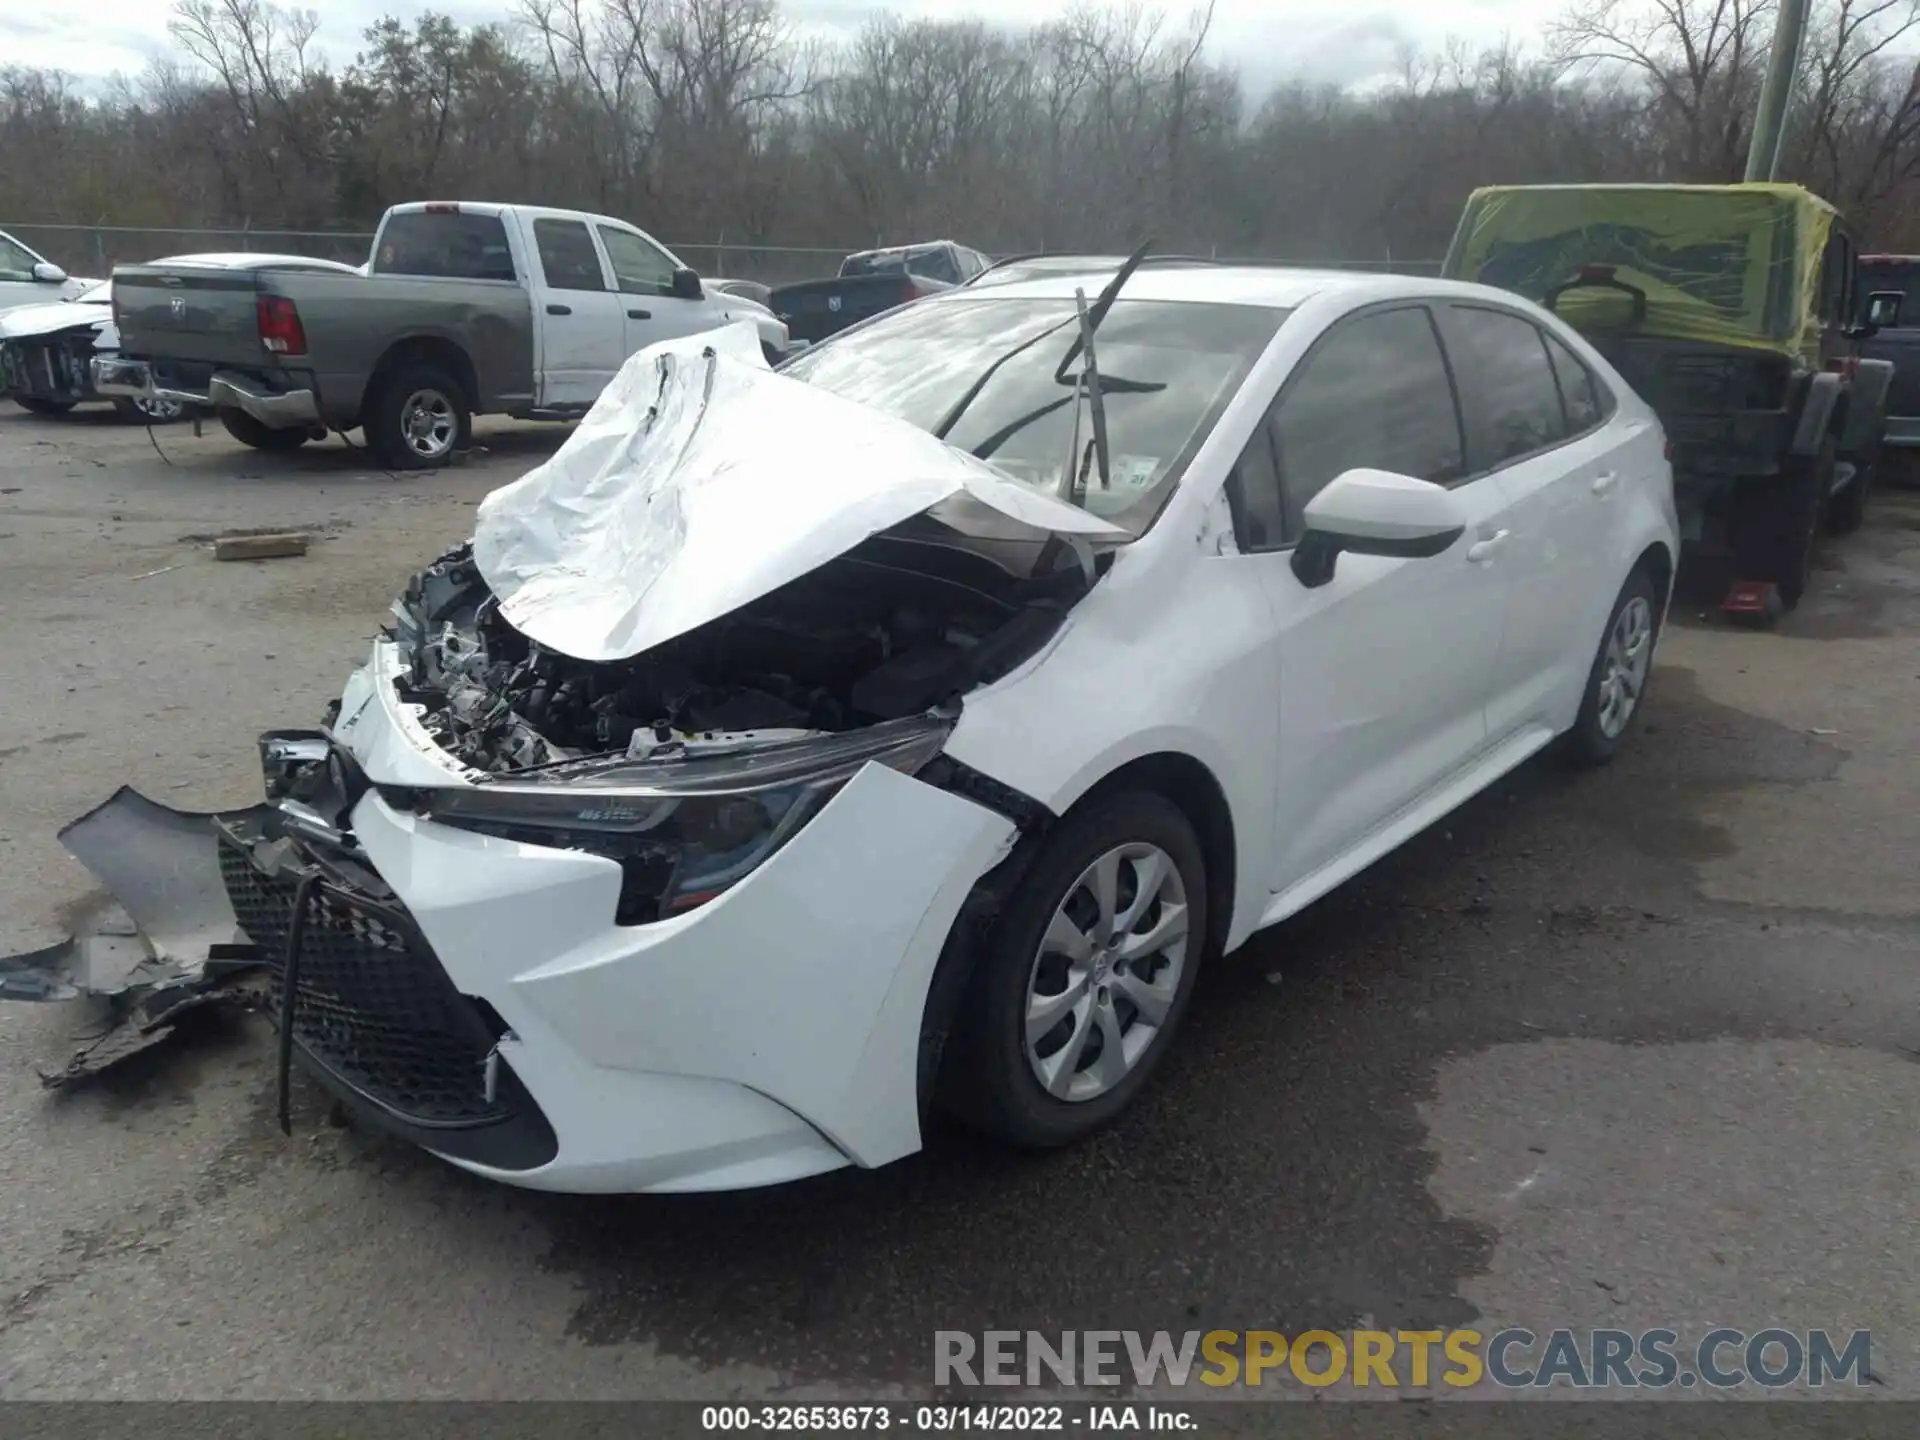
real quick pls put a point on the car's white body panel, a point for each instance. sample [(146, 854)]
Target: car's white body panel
[(773, 1032)]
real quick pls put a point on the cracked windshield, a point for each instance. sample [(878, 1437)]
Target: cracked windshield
[(988, 375)]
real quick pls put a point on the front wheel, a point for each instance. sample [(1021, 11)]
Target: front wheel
[(38, 405), (1777, 521), (419, 419), (1617, 679), (1084, 976), (250, 432)]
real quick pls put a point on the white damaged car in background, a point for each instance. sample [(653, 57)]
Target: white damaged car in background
[(797, 751)]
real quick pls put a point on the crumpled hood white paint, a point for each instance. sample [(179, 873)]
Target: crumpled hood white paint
[(699, 482), (21, 322)]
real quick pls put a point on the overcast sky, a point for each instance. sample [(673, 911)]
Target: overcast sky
[(1267, 39)]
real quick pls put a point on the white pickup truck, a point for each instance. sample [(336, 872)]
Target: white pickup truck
[(465, 309)]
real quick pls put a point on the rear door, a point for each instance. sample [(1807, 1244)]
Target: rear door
[(1536, 420), (643, 274), (577, 315), (1384, 670)]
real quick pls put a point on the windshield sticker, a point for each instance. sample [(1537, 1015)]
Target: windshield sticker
[(1135, 472)]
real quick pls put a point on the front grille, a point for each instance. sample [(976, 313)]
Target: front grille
[(373, 1004)]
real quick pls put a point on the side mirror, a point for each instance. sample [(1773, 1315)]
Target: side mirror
[(1883, 309), (49, 274), (1375, 512), (686, 285)]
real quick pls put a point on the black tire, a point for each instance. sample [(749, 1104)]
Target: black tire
[(986, 1080), (1589, 744), (388, 418), (1847, 511), (1778, 520), (249, 431), (39, 405), (130, 411)]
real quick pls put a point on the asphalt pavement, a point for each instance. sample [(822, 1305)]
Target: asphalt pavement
[(1627, 1049)]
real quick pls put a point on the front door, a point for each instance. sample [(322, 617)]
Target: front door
[(1384, 670), (644, 273), (577, 315)]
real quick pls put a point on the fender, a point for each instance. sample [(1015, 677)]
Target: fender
[(1866, 407), (1816, 410)]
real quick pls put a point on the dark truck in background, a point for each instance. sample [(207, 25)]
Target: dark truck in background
[(1889, 291), (1731, 310), (872, 281)]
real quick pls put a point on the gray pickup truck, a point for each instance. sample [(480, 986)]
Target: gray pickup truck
[(465, 309)]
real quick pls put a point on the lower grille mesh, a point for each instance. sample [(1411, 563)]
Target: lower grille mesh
[(373, 1004)]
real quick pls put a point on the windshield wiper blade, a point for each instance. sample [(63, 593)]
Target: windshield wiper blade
[(1073, 475), (952, 417), (1109, 385), (1102, 303)]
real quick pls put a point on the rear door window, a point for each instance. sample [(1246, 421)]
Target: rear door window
[(1581, 394), (1507, 383), (567, 256), (447, 245), (1373, 393)]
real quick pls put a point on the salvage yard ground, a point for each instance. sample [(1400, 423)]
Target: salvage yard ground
[(1629, 1050)]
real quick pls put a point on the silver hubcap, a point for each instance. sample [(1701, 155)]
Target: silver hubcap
[(1106, 972), (159, 409), (427, 424), (1624, 675)]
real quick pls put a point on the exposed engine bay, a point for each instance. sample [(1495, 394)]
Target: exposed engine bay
[(907, 621)]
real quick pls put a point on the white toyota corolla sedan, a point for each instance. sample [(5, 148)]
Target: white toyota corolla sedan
[(796, 752)]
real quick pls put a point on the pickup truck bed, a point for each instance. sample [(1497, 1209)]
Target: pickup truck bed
[(204, 333)]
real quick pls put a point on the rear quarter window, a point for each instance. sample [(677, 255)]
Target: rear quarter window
[(444, 246)]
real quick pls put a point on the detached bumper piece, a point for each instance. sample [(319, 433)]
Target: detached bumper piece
[(222, 389), (374, 1017)]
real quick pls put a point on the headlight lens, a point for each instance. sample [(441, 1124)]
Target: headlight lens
[(683, 830)]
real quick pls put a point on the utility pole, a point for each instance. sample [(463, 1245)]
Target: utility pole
[(1769, 123)]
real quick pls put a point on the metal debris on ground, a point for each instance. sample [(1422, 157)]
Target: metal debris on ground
[(260, 547), (169, 948)]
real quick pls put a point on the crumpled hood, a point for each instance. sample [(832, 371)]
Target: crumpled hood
[(702, 480), (21, 322)]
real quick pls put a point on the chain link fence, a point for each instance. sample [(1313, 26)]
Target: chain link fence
[(93, 250)]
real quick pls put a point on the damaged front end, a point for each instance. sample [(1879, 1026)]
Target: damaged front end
[(668, 648)]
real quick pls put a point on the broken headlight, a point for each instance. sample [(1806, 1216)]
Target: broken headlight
[(683, 830)]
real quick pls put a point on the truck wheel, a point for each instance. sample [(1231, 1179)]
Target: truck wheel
[(148, 412), (419, 419), (249, 431), (1848, 509), (36, 405), (1776, 523)]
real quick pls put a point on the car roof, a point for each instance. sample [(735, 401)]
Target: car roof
[(1278, 286)]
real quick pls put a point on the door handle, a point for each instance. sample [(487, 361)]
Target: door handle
[(639, 314), (1605, 482), (559, 309), (1482, 551)]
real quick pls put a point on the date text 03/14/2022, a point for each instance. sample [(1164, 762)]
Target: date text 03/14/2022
[(940, 1419)]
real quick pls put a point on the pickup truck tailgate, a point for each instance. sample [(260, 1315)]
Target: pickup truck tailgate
[(188, 313), (815, 309)]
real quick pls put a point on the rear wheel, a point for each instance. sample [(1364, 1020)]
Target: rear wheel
[(1777, 520), (1084, 976), (249, 431), (419, 419), (1617, 679), (38, 405)]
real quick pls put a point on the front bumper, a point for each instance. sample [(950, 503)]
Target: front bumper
[(770, 1034), (225, 389)]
